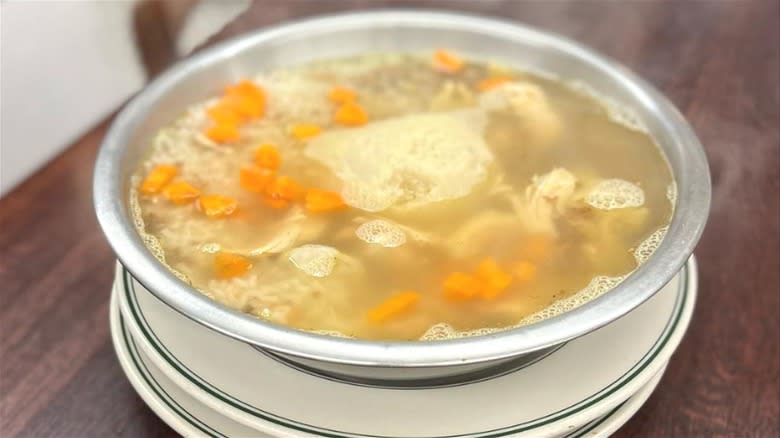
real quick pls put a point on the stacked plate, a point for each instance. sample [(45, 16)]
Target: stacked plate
[(205, 384)]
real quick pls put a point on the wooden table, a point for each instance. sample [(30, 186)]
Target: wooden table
[(717, 60)]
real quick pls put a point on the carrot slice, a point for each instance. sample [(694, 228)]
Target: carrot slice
[(228, 265), (494, 82), (217, 206), (223, 133), (341, 95), (158, 178), (223, 113), (524, 271), (459, 286), (320, 201), (394, 306), (245, 88), (305, 131), (447, 62), (267, 156), (181, 193), (247, 107), (495, 281), (285, 187), (351, 114), (255, 179), (281, 191)]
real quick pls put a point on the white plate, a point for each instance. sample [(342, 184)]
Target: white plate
[(582, 381), (192, 418), (172, 404), (610, 423)]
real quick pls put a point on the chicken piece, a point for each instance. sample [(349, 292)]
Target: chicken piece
[(528, 102), (279, 243), (295, 227), (411, 160), (546, 198), (453, 95)]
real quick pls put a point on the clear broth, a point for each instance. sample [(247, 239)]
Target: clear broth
[(499, 218)]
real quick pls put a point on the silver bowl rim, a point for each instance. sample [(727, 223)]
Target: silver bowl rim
[(692, 207)]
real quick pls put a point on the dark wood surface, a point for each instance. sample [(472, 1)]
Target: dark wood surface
[(717, 60)]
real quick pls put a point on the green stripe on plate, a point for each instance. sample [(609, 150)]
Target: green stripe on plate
[(594, 424), (159, 391), (148, 332), (185, 415)]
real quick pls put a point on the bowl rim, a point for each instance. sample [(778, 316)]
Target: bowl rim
[(685, 229)]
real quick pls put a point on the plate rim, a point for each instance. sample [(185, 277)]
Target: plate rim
[(182, 424), (188, 424), (617, 417), (684, 303)]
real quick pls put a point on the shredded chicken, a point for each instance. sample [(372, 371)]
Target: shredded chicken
[(546, 198), (528, 102), (453, 95), (410, 160), (294, 228)]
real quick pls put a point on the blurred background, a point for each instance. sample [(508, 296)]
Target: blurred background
[(74, 62)]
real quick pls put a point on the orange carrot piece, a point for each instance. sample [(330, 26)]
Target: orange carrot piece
[(158, 178), (286, 188), (494, 280), (395, 306), (224, 113), (494, 82), (223, 133), (524, 271), (181, 193), (245, 88), (459, 286), (228, 265), (247, 107), (447, 62), (217, 206), (268, 157), (341, 95), (281, 191), (305, 131), (255, 179), (321, 201), (351, 114)]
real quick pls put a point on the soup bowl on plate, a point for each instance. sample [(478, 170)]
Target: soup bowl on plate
[(412, 362)]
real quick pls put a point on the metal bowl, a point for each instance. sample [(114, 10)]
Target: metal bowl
[(203, 75)]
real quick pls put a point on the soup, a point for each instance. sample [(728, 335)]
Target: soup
[(403, 196)]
